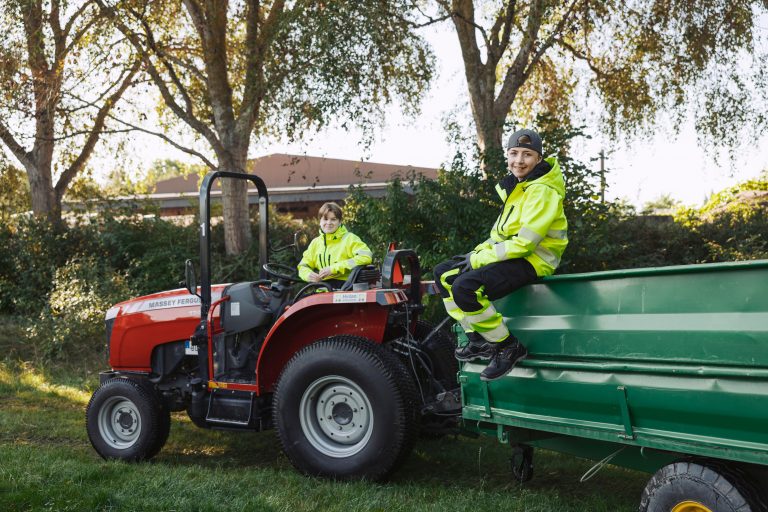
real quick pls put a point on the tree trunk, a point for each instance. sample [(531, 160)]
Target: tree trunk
[(237, 226), (44, 201), (488, 117)]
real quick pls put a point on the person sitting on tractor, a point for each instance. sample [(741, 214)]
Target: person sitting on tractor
[(331, 256), (526, 242)]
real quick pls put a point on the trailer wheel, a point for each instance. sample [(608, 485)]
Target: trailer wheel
[(342, 409), (126, 420), (521, 462), (699, 487)]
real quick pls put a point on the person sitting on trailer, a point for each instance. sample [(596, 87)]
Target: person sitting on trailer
[(526, 242), (331, 256)]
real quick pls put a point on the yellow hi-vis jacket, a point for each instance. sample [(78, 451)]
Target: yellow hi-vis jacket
[(340, 250), (532, 224)]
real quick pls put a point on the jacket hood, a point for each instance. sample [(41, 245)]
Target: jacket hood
[(547, 172), (552, 178), (335, 236)]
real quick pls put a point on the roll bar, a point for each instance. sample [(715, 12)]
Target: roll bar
[(205, 230)]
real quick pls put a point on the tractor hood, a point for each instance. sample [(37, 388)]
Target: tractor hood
[(135, 327)]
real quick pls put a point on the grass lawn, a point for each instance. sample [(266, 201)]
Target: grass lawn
[(47, 463)]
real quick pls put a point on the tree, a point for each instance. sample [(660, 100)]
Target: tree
[(232, 70), (640, 59), (61, 74), (662, 205)]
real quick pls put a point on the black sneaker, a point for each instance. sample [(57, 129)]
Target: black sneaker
[(506, 355), (477, 348)]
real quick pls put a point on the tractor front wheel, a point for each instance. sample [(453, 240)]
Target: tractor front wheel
[(126, 420), (344, 410)]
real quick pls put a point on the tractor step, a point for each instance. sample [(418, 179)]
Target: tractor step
[(230, 407)]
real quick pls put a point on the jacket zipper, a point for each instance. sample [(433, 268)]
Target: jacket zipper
[(502, 213)]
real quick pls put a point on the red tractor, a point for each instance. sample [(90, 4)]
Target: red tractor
[(347, 377)]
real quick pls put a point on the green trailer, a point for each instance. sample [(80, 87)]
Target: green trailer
[(663, 370)]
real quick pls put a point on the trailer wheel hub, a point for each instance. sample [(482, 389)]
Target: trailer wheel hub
[(336, 416), (690, 506)]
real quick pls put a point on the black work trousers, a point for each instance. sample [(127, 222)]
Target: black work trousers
[(498, 279)]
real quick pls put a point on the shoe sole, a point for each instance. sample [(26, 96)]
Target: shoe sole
[(514, 363), (475, 357)]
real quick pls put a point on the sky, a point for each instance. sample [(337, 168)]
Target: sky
[(639, 171)]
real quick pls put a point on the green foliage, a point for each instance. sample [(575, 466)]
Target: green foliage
[(663, 205), (32, 249), (734, 222), (14, 190), (63, 279), (71, 324)]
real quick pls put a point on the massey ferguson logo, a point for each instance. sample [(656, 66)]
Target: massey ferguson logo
[(164, 303), (172, 303)]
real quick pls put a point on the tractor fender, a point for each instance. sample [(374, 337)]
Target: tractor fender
[(320, 316)]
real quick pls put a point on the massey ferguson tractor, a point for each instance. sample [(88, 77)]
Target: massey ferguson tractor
[(348, 377)]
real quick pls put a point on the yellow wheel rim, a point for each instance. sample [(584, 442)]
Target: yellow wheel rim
[(690, 506)]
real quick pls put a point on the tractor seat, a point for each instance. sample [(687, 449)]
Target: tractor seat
[(362, 277)]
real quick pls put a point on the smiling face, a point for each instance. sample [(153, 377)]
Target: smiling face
[(521, 161), (329, 223)]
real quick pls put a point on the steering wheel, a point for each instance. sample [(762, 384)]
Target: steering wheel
[(309, 288), (281, 272)]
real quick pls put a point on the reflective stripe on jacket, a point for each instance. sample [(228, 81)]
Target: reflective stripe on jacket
[(340, 250), (532, 223)]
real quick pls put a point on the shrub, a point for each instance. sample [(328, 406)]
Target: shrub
[(71, 325)]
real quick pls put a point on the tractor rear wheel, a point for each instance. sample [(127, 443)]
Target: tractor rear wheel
[(700, 486), (345, 408), (127, 420)]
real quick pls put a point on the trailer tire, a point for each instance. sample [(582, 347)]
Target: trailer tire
[(345, 408), (694, 486), (127, 420)]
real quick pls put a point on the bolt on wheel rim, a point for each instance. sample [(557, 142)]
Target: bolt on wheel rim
[(690, 506), (119, 422), (336, 416)]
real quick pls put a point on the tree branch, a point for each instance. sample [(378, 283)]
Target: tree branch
[(555, 35), (515, 75), (168, 140), (210, 23), (465, 30), (98, 125), (581, 56), (257, 45), (168, 66), (68, 26), (186, 116), (18, 151), (509, 21), (464, 10), (415, 5)]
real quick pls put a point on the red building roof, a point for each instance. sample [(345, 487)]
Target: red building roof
[(279, 170)]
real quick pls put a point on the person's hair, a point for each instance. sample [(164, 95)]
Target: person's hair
[(330, 207), (524, 139)]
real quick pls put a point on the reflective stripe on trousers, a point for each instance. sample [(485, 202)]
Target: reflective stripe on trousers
[(487, 321)]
